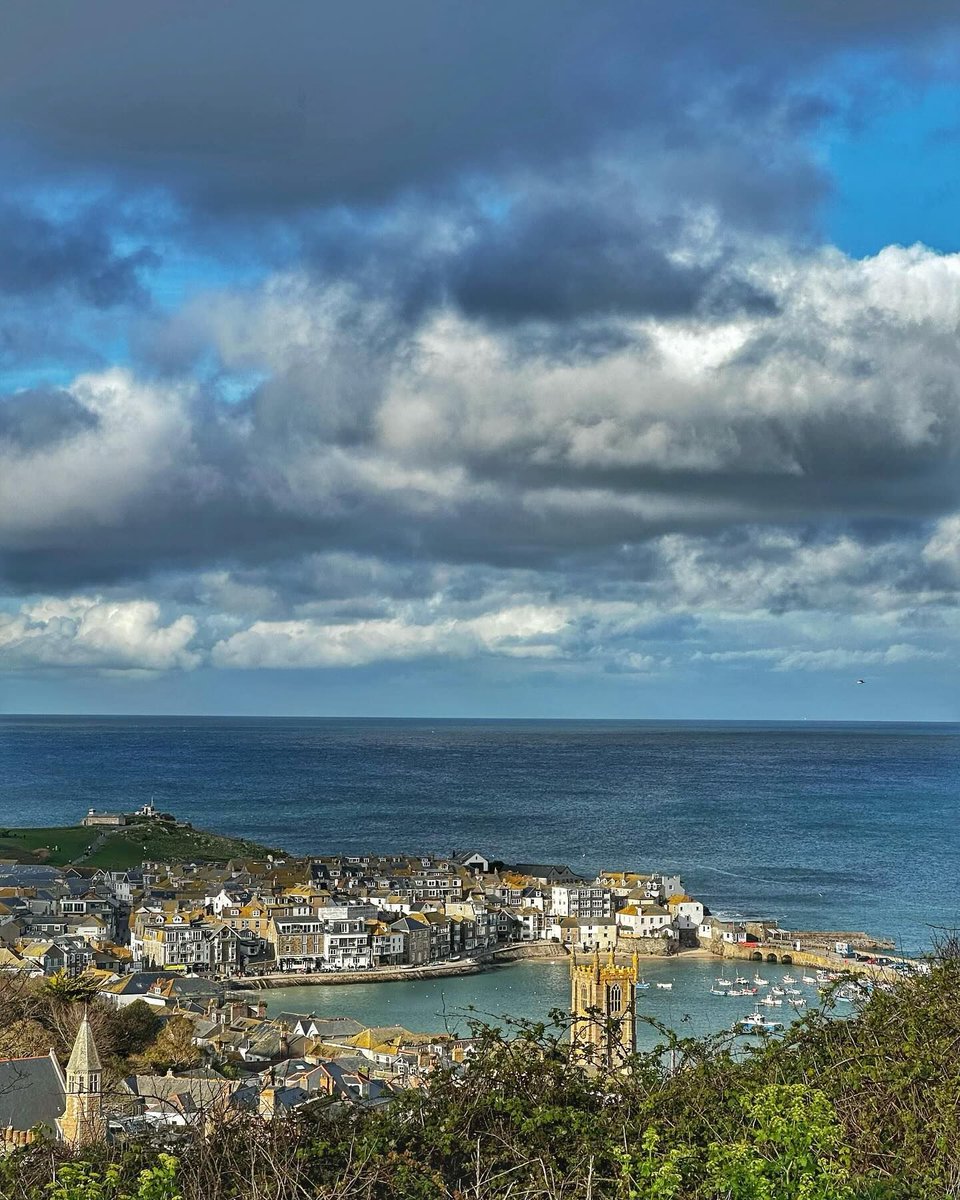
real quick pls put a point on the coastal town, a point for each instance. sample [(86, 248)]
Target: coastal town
[(192, 939)]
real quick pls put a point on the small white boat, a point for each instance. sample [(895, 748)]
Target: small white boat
[(792, 992), (778, 991), (642, 985), (757, 1023), (809, 979), (718, 992), (666, 986), (799, 1003), (770, 1002), (760, 981), (789, 979), (727, 983), (740, 981)]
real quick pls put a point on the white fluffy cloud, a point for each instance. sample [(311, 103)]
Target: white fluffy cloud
[(521, 632), (94, 633)]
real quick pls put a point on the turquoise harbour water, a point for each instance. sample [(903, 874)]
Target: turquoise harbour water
[(827, 826), (531, 989)]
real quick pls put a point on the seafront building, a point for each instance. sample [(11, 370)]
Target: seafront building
[(324, 913)]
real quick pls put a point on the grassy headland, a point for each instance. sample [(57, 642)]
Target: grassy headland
[(118, 848)]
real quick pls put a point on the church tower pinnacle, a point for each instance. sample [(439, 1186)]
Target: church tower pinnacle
[(83, 1121)]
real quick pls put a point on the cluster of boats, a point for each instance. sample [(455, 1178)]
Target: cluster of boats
[(784, 993)]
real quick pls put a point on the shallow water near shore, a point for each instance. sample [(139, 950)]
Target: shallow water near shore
[(531, 989)]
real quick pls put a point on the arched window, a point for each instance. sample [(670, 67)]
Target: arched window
[(614, 999)]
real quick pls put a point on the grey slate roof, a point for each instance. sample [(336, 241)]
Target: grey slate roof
[(31, 1092)]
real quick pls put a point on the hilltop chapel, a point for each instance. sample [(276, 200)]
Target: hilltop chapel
[(35, 1092), (603, 1004)]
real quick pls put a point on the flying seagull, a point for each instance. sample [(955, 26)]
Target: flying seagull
[(860, 681)]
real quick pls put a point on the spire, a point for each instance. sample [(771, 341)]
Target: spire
[(84, 1057)]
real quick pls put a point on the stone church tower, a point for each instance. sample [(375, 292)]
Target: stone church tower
[(603, 1004), (83, 1121)]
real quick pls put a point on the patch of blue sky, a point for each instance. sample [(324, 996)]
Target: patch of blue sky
[(182, 274), (35, 375), (895, 171)]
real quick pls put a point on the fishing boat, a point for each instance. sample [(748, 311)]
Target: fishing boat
[(642, 986), (756, 1022), (769, 1001), (718, 992), (666, 986)]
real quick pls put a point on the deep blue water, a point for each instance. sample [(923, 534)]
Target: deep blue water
[(832, 825)]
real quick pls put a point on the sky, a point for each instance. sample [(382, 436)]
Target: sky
[(553, 359)]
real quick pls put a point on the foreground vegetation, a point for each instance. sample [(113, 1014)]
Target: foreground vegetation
[(858, 1109), (121, 847)]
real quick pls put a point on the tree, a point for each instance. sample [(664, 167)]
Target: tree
[(173, 1049), (24, 1039), (134, 1028), (62, 988)]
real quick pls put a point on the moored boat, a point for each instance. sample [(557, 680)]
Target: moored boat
[(756, 1022)]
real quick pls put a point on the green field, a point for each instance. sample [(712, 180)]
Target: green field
[(57, 846), (124, 846)]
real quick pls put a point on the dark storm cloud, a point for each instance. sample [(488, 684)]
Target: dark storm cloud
[(554, 262), (242, 106), (565, 259), (76, 255), (35, 418)]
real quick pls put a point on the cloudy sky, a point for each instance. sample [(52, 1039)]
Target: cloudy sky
[(550, 358)]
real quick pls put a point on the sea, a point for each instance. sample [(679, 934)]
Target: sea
[(819, 825)]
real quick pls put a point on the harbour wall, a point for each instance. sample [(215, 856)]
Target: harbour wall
[(777, 952)]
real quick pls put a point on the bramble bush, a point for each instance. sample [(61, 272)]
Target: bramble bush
[(866, 1108)]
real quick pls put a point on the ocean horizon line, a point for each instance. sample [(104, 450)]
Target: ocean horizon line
[(477, 720)]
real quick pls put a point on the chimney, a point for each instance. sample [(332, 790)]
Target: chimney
[(268, 1099)]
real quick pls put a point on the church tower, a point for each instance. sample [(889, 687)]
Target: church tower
[(83, 1121), (603, 1004)]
